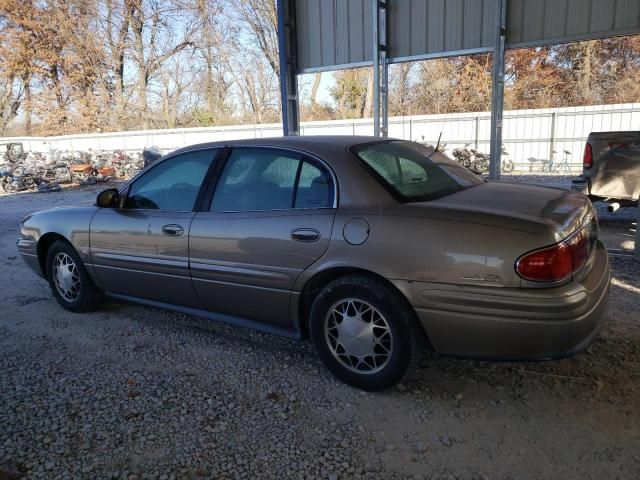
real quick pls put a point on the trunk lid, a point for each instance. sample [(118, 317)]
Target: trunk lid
[(482, 231), (536, 209)]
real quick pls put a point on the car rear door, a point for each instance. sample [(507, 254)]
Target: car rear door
[(141, 249), (269, 218)]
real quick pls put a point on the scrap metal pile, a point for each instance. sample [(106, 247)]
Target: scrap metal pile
[(46, 171)]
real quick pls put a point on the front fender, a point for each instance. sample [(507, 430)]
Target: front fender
[(40, 229)]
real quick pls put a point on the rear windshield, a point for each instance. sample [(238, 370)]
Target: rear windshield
[(406, 169)]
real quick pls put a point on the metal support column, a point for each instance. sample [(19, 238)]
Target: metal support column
[(288, 68), (376, 69), (497, 90), (380, 80), (636, 249), (552, 142)]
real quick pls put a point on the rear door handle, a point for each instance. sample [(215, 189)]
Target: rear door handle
[(305, 235), (173, 230)]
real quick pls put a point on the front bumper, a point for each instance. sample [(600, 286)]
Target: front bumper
[(28, 250), (514, 323)]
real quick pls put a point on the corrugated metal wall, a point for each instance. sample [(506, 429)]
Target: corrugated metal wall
[(419, 28), (557, 21), (336, 33), (331, 33)]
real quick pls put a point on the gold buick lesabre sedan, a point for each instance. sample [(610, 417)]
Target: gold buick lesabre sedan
[(373, 248)]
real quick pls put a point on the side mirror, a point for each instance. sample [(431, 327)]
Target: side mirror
[(109, 198)]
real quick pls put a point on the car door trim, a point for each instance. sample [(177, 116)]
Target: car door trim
[(232, 269), (141, 259), (146, 272)]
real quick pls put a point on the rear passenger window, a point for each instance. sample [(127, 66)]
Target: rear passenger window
[(314, 188), (262, 179), (256, 179)]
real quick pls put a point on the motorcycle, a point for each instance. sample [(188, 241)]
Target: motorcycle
[(463, 156), (506, 164)]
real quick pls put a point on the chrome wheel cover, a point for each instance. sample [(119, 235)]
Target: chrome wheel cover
[(358, 336), (66, 277)]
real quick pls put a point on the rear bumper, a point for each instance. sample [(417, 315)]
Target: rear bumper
[(512, 323), (580, 184)]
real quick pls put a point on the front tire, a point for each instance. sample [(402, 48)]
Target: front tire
[(365, 332), (69, 281)]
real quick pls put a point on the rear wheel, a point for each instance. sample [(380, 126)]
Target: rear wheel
[(365, 332), (70, 283), (481, 165)]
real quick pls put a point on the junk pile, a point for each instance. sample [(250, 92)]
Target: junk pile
[(46, 171), (467, 157)]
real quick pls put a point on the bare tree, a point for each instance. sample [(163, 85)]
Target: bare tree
[(214, 44), (262, 19), (85, 65), (400, 91), (175, 90), (10, 99), (114, 20), (153, 43), (257, 84)]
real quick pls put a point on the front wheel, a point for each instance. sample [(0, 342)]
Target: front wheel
[(480, 165), (507, 166), (69, 281), (365, 333)]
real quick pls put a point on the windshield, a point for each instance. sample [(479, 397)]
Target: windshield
[(406, 169)]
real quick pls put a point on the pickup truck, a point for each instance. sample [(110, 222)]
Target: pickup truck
[(611, 168)]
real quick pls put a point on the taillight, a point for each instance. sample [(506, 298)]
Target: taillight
[(587, 159), (557, 262), (579, 246)]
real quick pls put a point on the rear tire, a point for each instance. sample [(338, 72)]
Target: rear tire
[(70, 283), (365, 332)]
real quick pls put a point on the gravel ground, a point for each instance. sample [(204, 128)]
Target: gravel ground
[(136, 392)]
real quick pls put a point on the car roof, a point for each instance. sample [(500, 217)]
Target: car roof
[(314, 144)]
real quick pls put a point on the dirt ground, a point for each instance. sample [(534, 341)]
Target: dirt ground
[(135, 392)]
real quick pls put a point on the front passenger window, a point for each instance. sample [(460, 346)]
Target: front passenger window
[(172, 184)]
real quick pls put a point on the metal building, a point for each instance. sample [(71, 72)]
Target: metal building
[(318, 35)]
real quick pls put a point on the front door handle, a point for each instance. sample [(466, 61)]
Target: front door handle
[(173, 230), (305, 235)]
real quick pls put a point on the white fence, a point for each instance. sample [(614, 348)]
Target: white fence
[(527, 133)]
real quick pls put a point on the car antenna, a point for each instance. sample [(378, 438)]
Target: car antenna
[(437, 146)]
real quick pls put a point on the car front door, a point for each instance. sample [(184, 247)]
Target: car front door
[(269, 218), (141, 249)]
